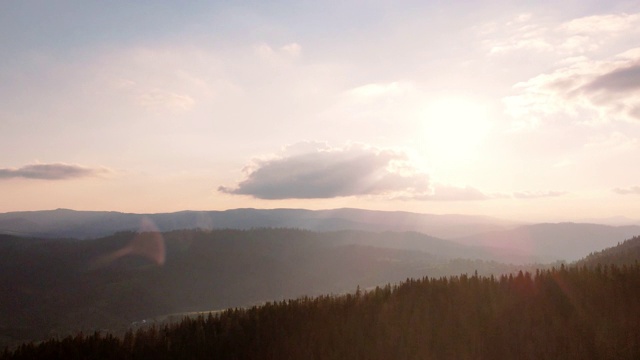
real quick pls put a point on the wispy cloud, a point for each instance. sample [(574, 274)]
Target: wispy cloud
[(633, 190), (596, 73), (285, 53), (55, 171), (375, 91), (454, 193), (527, 32), (443, 192), (587, 90), (396, 103), (537, 194), (164, 100)]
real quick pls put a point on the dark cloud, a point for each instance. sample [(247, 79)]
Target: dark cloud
[(536, 194), (50, 172), (628, 191), (620, 80), (328, 173)]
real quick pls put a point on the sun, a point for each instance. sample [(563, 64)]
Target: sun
[(453, 128)]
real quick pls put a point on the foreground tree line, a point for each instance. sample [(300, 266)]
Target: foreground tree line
[(568, 312)]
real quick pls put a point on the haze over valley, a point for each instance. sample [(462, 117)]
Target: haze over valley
[(62, 273)]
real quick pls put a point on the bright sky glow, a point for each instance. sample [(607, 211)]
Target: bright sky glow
[(454, 129), (522, 110)]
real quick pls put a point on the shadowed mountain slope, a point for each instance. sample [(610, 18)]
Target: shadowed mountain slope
[(55, 286), (562, 313)]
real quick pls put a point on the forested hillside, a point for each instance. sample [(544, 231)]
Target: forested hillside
[(564, 313), (626, 253), (59, 287)]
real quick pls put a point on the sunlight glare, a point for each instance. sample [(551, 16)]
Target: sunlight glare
[(453, 129)]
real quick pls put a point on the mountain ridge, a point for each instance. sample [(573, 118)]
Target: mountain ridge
[(94, 224)]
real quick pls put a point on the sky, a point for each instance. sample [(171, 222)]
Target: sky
[(520, 110)]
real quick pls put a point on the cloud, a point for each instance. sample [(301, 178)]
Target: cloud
[(453, 193), (596, 74), (620, 80), (606, 23), (591, 91), (577, 36), (375, 91), (393, 102), (466, 193), (293, 49), (281, 55), (164, 100), (315, 170), (326, 172), (524, 35), (399, 107), (634, 190), (56, 171), (538, 194)]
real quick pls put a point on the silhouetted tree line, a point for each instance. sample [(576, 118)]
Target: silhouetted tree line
[(563, 313)]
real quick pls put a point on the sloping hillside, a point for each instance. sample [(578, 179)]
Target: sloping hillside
[(625, 253), (59, 286), (566, 313)]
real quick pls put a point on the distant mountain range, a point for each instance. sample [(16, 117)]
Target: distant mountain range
[(93, 224), (499, 239), (78, 270)]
